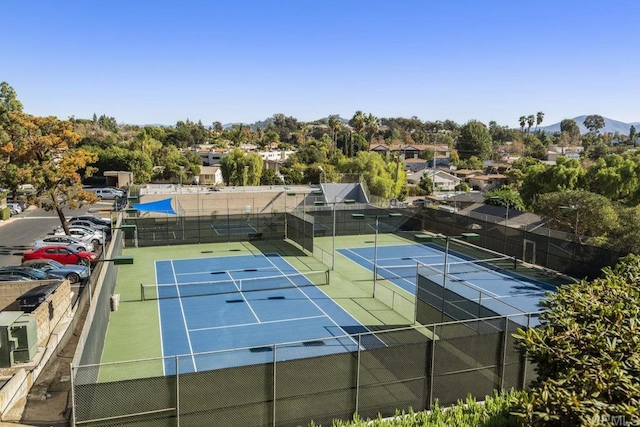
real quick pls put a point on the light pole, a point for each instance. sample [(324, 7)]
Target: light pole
[(573, 208), (375, 241)]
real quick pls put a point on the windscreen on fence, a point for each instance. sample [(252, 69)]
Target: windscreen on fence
[(214, 228), (538, 246), (301, 229)]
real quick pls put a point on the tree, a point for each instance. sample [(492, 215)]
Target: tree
[(270, 177), (239, 168), (586, 352), (474, 140), (44, 153), (571, 127), (334, 125), (539, 119), (523, 121), (531, 119), (534, 147), (615, 177), (591, 217), (504, 196), (633, 135), (379, 174), (372, 126), (567, 174), (358, 122), (426, 184), (594, 123)]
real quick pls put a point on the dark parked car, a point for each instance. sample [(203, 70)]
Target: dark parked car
[(12, 278), (29, 273), (74, 273)]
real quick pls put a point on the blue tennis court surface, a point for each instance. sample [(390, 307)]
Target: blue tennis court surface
[(501, 291), (249, 302)]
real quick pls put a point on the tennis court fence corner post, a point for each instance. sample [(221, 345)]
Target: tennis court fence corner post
[(275, 359), (358, 362), (177, 359), (432, 365)]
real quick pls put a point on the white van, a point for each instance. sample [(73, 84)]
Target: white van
[(108, 193)]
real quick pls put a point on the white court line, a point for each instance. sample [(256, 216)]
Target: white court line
[(399, 277), (310, 299), (195, 367), (412, 257), (155, 275), (261, 323), (243, 297)]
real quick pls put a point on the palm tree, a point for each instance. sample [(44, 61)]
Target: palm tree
[(539, 118), (372, 124), (334, 125), (358, 121), (531, 119), (523, 121), (302, 132)]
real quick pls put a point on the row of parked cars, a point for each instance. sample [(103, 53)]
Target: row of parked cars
[(17, 206), (61, 256)]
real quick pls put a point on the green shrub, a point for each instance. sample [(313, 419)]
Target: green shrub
[(494, 412), (587, 352), (5, 213)]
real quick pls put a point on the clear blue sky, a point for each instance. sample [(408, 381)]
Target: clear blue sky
[(160, 62)]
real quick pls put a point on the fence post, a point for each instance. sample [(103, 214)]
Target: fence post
[(523, 354), (432, 366), (73, 395), (358, 361), (177, 391), (504, 352), (275, 348)]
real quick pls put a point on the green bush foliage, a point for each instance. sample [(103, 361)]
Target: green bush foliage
[(587, 352), (493, 412)]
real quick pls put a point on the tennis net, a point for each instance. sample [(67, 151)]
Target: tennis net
[(406, 271), (231, 285), (500, 264)]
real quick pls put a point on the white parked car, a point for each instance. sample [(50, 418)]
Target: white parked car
[(81, 233), (15, 207), (108, 193), (89, 224), (67, 241)]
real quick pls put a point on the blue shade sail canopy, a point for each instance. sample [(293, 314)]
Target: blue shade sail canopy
[(159, 206)]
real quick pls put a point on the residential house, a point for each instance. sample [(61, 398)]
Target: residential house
[(486, 182), (442, 180), (210, 175)]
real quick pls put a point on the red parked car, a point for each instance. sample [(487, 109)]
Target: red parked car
[(62, 254)]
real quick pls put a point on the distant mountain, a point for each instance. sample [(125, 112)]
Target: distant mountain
[(610, 126)]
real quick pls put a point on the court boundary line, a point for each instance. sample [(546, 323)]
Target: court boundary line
[(243, 297), (184, 319), (155, 275), (225, 271), (295, 319), (313, 302)]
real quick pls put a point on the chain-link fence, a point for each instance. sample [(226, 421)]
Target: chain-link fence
[(536, 245), (291, 384)]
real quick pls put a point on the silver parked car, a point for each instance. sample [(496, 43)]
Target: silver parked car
[(67, 241), (74, 273), (81, 233)]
